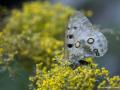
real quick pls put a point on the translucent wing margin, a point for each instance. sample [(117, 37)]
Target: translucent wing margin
[(80, 19)]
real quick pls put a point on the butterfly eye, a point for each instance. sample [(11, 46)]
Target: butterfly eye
[(70, 45), (70, 36), (77, 44), (90, 41)]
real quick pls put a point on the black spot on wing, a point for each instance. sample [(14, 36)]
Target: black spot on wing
[(69, 45), (70, 36)]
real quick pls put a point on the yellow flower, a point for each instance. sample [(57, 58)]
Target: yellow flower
[(88, 13), (49, 51), (1, 50)]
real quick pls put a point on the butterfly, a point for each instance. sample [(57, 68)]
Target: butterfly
[(82, 40)]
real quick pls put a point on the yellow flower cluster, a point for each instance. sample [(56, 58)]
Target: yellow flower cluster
[(63, 77), (112, 83), (35, 32)]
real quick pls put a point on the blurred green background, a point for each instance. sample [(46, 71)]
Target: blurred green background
[(103, 13)]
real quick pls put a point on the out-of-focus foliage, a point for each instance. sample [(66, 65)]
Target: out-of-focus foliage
[(34, 33), (3, 13), (63, 77)]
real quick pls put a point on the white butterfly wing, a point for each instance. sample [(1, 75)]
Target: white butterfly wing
[(82, 40)]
